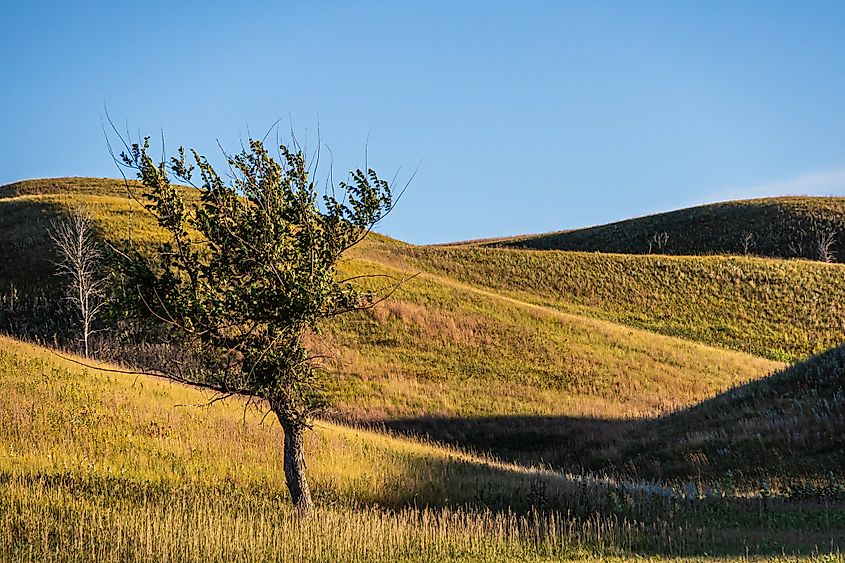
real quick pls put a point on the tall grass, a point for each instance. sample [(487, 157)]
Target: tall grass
[(106, 467), (59, 524)]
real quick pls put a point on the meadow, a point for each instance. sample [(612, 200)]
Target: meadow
[(503, 404), (439, 348), (113, 467), (783, 310), (788, 424)]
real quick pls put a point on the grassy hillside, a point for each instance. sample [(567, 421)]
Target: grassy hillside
[(110, 467), (783, 310), (113, 467), (787, 227), (440, 347), (537, 356), (525, 354), (784, 434), (789, 424)]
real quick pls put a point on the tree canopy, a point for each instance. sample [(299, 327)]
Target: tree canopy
[(249, 270)]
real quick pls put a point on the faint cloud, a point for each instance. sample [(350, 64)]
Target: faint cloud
[(821, 182)]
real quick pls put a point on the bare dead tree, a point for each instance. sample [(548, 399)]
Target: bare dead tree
[(80, 255), (825, 240), (658, 240), (796, 246), (747, 242)]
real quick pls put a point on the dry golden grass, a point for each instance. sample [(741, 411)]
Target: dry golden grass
[(502, 355), (109, 467)]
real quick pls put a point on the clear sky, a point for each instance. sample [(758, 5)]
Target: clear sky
[(527, 116)]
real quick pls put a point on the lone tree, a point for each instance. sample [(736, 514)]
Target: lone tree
[(79, 262), (249, 271), (658, 239), (825, 239)]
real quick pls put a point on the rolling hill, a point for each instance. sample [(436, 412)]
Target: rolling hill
[(546, 358), (784, 227), (789, 424), (780, 309), (107, 466), (440, 347), (509, 351), (97, 465), (784, 433)]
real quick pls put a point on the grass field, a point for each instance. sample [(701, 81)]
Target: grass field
[(441, 347), (785, 227), (780, 309), (112, 467), (550, 360), (792, 423), (782, 434)]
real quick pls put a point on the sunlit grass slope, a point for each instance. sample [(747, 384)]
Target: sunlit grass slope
[(438, 346), (114, 467), (67, 421), (780, 309), (779, 227), (100, 466)]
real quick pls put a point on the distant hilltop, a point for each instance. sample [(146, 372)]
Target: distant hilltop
[(812, 228)]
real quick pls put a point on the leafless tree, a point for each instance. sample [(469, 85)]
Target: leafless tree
[(658, 240), (747, 242), (79, 257), (825, 241), (796, 247)]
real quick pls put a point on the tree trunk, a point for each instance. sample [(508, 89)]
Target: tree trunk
[(294, 466)]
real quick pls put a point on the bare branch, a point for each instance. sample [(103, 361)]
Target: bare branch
[(78, 248)]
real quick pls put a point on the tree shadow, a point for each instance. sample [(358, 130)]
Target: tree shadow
[(567, 442), (643, 518)]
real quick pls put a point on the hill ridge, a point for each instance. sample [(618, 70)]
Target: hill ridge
[(780, 227)]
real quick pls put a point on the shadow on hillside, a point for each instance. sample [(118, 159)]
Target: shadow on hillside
[(787, 426), (641, 519), (665, 523), (31, 306), (573, 443)]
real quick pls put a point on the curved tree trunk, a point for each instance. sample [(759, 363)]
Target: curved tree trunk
[(294, 466)]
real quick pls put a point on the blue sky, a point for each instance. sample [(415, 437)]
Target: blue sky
[(527, 117)]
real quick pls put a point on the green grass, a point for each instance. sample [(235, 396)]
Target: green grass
[(786, 227), (112, 467), (779, 309)]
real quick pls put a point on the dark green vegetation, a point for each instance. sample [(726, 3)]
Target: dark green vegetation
[(785, 227)]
